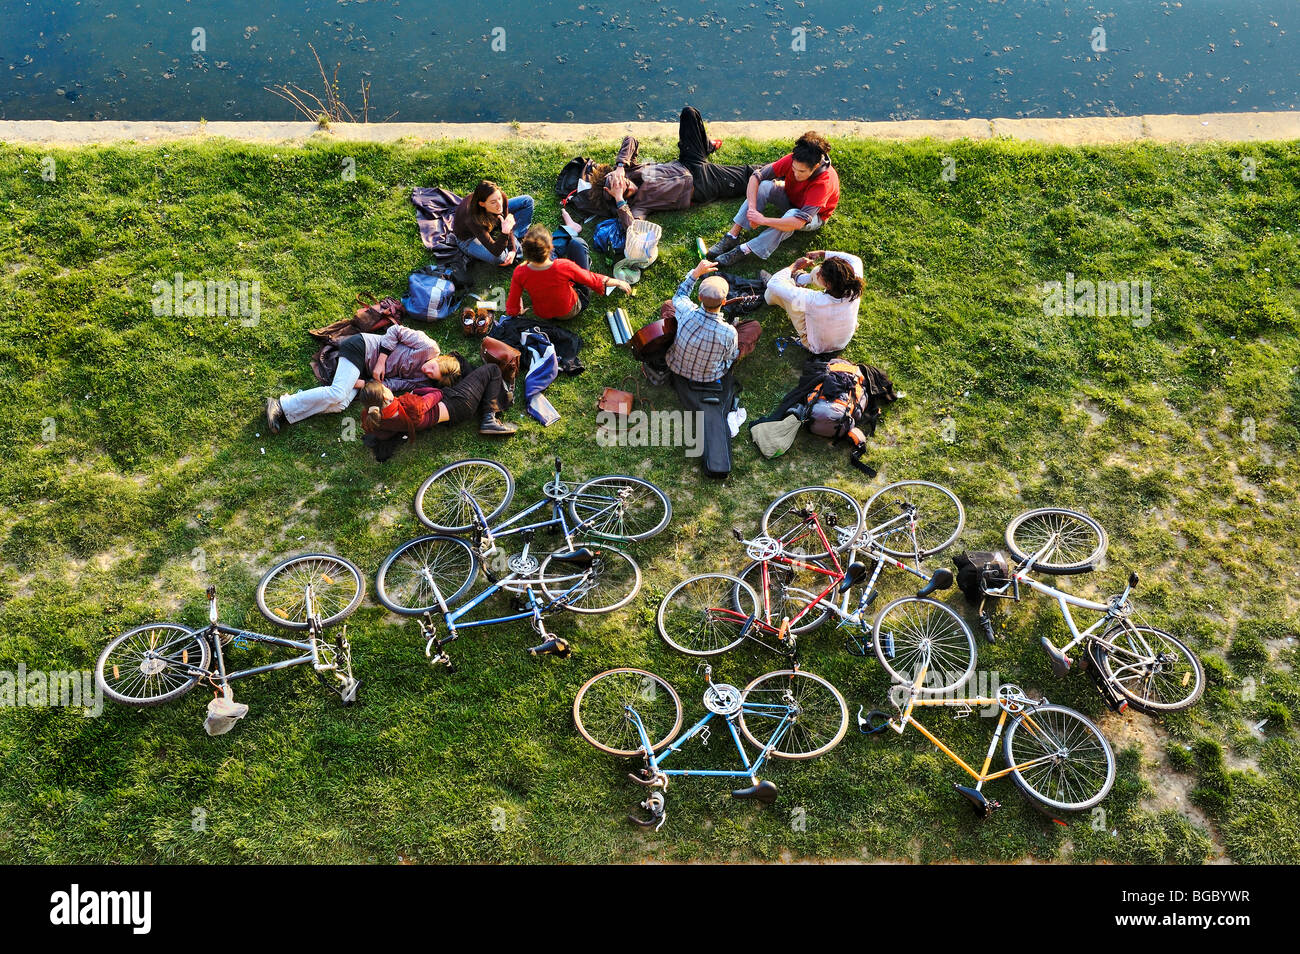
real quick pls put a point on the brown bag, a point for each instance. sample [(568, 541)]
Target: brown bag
[(612, 399), (497, 352)]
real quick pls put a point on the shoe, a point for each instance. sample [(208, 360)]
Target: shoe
[(764, 276), (722, 246), (727, 259), (714, 145), (490, 425), (275, 418)]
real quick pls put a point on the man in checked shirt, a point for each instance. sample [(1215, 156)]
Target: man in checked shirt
[(701, 357)]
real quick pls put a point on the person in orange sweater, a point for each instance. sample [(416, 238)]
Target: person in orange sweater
[(559, 285), (481, 393)]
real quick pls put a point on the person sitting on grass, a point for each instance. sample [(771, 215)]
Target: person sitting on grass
[(480, 394), (403, 357), (488, 226), (804, 187), (555, 274), (821, 293)]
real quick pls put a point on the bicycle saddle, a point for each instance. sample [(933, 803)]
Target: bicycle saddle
[(764, 792), (984, 807), (853, 575), (581, 557)]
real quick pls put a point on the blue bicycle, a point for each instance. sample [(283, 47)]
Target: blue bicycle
[(468, 496), (787, 714), (427, 576)]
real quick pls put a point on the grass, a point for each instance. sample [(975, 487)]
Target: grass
[(137, 468)]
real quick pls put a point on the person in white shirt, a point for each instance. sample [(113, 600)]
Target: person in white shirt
[(820, 292)]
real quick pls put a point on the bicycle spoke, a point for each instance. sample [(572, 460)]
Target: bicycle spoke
[(1060, 758)]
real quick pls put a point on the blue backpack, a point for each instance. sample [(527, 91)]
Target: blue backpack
[(429, 296), (609, 237)]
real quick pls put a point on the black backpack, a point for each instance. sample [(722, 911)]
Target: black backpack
[(981, 571), (566, 183)]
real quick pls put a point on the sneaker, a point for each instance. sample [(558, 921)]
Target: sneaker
[(722, 246), (491, 425), (275, 418), (727, 259)]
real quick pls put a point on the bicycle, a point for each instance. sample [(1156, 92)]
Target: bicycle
[(468, 496), (432, 573), (1058, 758), (786, 714), (1133, 664), (160, 662), (712, 613)]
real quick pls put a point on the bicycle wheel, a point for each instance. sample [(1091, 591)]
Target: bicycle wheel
[(441, 503), (838, 513), (820, 716), (1077, 767), (620, 508), (600, 711), (1152, 669), (152, 664), (337, 584), (791, 590), (912, 632), (616, 578), (406, 579), (939, 518), (1080, 542), (704, 616)]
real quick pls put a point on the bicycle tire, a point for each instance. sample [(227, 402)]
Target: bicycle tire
[(657, 506), (1074, 525), (340, 589), (623, 686), (443, 557), (1109, 654), (612, 563), (915, 624), (823, 501), (482, 479), (178, 633), (1049, 725), (820, 708), (697, 631), (929, 543)]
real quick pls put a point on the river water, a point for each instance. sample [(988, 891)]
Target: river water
[(595, 61)]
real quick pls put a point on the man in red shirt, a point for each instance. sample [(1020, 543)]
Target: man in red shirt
[(558, 287), (802, 184)]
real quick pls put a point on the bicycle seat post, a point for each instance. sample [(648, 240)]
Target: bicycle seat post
[(212, 605)]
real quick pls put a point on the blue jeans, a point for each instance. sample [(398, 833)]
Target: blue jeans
[(764, 244), (521, 207)]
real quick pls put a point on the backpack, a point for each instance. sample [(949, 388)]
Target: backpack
[(847, 402), (981, 571), (609, 237), (566, 183), (430, 294)]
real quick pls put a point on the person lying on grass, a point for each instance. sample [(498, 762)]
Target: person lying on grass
[(480, 394), (556, 274), (820, 293), (802, 185), (402, 357)]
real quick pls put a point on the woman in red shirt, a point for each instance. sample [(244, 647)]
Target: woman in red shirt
[(558, 287), (481, 394)]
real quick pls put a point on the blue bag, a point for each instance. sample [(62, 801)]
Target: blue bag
[(608, 237), (429, 296)]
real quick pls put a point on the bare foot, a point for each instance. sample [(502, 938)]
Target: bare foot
[(574, 227)]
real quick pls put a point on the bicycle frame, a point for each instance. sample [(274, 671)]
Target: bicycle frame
[(654, 761)]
